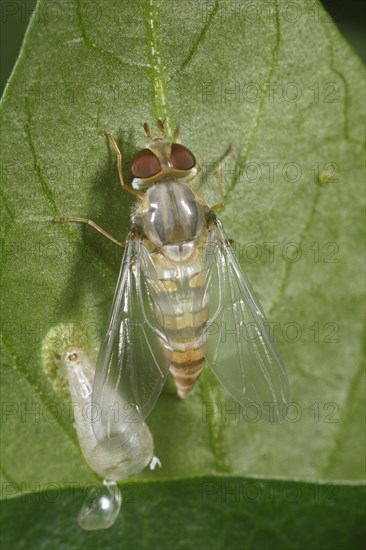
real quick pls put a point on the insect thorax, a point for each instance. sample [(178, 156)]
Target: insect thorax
[(172, 218)]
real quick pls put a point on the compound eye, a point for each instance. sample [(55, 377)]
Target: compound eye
[(145, 164), (181, 157)]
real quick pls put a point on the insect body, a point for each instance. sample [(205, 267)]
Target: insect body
[(173, 220), (181, 300)]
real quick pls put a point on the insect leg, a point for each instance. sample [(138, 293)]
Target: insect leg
[(220, 204), (228, 153), (177, 134), (91, 223), (124, 185)]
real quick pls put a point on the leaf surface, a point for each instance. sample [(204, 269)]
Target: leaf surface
[(288, 92)]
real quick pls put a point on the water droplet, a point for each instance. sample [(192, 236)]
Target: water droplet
[(101, 507)]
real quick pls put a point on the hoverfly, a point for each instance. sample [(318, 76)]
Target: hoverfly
[(181, 300)]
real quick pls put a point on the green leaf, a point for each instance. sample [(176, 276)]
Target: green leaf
[(288, 92), (249, 512)]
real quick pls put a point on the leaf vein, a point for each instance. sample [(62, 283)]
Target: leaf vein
[(199, 40), (20, 367), (242, 157), (289, 265), (98, 49), (157, 69), (346, 101), (71, 233), (47, 191), (211, 396)]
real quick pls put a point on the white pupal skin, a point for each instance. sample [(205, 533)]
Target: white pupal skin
[(172, 219), (112, 464)]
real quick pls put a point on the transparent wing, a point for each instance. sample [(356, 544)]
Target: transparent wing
[(240, 348), (134, 357)]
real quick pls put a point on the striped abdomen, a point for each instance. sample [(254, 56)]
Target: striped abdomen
[(184, 315), (187, 365)]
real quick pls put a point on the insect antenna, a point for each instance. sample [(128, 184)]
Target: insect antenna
[(147, 130), (160, 125)]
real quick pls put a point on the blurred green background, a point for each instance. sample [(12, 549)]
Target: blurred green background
[(349, 15)]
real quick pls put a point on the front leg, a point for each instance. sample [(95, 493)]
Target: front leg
[(228, 153), (124, 185)]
